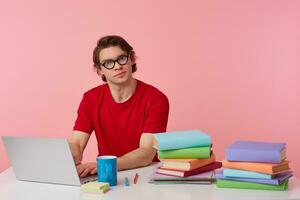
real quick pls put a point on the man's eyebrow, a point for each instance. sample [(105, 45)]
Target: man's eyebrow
[(115, 57)]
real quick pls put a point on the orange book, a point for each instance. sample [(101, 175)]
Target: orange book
[(186, 164), (267, 168)]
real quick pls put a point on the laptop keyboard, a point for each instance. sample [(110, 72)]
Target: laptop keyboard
[(88, 179)]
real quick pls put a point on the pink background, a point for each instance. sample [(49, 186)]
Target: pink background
[(229, 68)]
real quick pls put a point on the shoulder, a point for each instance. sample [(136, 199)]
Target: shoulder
[(152, 92), (94, 93)]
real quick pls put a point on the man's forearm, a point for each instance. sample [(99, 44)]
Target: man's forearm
[(138, 158), (76, 151), (77, 144)]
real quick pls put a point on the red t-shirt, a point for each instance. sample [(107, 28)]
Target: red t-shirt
[(119, 126)]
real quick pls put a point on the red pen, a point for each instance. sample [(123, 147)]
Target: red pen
[(135, 179)]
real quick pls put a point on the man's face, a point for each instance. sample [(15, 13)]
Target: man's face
[(116, 65)]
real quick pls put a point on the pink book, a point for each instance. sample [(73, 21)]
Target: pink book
[(181, 173)]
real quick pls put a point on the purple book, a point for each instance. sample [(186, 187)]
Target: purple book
[(280, 178), (250, 151)]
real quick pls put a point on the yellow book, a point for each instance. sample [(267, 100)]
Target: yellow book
[(95, 187)]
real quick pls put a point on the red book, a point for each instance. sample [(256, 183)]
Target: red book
[(181, 173)]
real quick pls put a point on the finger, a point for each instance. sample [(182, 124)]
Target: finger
[(85, 172), (94, 171), (80, 169)]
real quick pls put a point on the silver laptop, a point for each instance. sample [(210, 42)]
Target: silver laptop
[(46, 160)]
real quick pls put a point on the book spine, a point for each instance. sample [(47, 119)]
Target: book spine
[(253, 156), (172, 143), (251, 180), (245, 174), (249, 167), (181, 139), (203, 152), (206, 168), (246, 185)]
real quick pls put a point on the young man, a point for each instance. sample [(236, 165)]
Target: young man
[(123, 112)]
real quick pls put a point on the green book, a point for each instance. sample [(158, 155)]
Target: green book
[(221, 183), (195, 152)]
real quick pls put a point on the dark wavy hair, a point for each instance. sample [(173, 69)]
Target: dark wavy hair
[(108, 41)]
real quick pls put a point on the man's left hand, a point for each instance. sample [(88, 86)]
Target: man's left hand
[(86, 169)]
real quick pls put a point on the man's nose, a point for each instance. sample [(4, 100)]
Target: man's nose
[(118, 66)]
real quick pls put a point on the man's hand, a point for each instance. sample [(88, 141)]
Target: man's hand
[(86, 169), (139, 157)]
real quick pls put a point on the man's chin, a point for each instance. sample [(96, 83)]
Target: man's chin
[(120, 81)]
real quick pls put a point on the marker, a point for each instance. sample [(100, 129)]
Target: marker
[(135, 179), (126, 181)]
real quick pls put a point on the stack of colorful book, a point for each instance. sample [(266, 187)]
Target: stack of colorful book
[(255, 165), (185, 153)]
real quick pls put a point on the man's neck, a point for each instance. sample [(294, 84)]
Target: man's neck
[(123, 92)]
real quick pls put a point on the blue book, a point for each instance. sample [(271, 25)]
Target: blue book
[(280, 178), (245, 174), (181, 139), (250, 151)]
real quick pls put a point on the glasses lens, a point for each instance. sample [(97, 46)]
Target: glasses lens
[(108, 64), (122, 60)]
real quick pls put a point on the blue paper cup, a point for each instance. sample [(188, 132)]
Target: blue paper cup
[(107, 169)]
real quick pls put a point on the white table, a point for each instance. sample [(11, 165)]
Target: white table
[(11, 189)]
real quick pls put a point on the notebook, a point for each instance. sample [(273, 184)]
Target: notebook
[(46, 160)]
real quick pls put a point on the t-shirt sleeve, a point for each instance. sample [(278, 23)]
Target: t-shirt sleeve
[(157, 115), (84, 117)]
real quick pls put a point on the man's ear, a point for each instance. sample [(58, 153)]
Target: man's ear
[(132, 58), (99, 71)]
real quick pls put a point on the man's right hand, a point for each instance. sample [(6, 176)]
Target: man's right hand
[(76, 152)]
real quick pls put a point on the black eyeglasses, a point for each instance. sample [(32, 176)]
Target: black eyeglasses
[(110, 64)]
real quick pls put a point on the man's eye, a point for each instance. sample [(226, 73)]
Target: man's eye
[(108, 63), (122, 59)]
